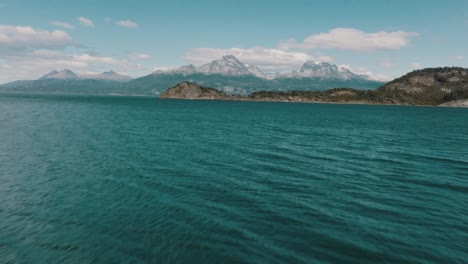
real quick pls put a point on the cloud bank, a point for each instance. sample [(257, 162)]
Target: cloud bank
[(352, 39), (26, 36)]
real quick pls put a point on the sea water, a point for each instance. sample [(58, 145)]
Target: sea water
[(107, 179)]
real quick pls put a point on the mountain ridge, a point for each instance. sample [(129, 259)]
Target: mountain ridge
[(227, 74), (67, 74), (64, 74), (229, 65)]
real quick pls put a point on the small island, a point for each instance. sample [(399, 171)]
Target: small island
[(431, 87)]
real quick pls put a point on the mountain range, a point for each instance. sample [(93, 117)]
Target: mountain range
[(230, 66), (227, 74), (67, 74)]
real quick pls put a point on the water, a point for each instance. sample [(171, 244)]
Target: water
[(88, 179)]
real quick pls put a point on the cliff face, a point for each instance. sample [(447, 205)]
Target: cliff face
[(188, 90)]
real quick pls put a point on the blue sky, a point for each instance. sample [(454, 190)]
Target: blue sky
[(383, 39)]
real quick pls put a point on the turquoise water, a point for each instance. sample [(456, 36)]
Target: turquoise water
[(88, 179)]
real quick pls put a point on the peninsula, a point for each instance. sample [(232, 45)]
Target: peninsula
[(433, 87)]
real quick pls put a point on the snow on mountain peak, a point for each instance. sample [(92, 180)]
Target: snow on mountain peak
[(324, 70), (65, 74), (108, 76), (229, 65), (309, 63)]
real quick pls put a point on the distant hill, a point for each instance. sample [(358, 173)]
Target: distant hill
[(69, 75), (430, 86), (72, 86), (60, 75), (66, 81), (437, 86)]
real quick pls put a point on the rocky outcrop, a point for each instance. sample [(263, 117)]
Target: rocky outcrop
[(187, 90), (457, 103)]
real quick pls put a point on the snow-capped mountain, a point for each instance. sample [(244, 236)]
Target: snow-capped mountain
[(228, 65), (227, 74), (108, 76), (184, 70), (324, 70), (256, 71), (67, 74), (272, 75), (61, 75)]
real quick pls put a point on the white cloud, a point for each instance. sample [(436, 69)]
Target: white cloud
[(26, 36), (375, 76), (323, 58), (416, 65), (266, 59), (458, 58), (127, 24), (363, 71), (26, 68), (33, 64), (45, 53), (139, 56), (95, 59), (85, 21), (161, 68), (346, 66), (62, 24), (353, 39)]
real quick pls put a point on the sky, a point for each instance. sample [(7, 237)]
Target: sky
[(383, 39)]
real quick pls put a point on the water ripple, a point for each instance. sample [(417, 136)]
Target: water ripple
[(139, 180)]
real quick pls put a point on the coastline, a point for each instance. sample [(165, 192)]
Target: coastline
[(313, 102), (192, 91)]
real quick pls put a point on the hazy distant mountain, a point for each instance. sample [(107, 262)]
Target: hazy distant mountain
[(228, 66), (184, 70), (227, 74), (256, 71), (324, 70), (61, 75), (109, 76), (272, 75), (67, 75), (67, 81)]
